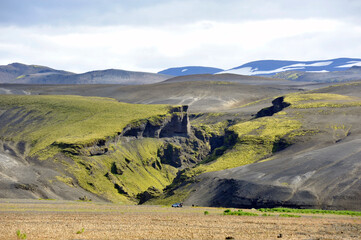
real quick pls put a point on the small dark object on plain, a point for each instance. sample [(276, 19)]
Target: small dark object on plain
[(279, 235), (177, 205), (229, 237), (85, 199)]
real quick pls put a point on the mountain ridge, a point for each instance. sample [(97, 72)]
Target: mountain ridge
[(34, 74)]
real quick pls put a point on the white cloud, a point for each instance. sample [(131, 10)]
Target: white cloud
[(223, 44)]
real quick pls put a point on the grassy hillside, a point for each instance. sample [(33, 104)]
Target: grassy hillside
[(256, 140), (76, 135), (44, 120), (131, 168)]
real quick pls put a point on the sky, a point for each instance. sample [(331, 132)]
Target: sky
[(153, 35)]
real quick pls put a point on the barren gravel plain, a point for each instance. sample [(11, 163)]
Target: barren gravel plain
[(47, 219)]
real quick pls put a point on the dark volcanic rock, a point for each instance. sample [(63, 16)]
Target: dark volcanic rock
[(176, 124), (277, 105)]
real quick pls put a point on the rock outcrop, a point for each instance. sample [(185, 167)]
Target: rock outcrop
[(277, 105), (174, 124)]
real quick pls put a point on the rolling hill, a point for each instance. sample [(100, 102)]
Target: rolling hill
[(16, 71), (33, 74)]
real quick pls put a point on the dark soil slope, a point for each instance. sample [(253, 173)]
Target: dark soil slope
[(323, 178), (21, 179)]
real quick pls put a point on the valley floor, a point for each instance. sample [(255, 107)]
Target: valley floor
[(47, 219)]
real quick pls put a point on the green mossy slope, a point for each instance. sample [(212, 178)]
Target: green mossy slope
[(78, 136), (256, 140), (131, 168), (75, 120)]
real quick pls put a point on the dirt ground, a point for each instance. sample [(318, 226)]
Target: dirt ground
[(41, 219)]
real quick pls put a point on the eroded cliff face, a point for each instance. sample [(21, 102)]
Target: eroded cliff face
[(184, 146), (176, 123)]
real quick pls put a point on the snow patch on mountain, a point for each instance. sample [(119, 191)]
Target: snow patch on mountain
[(292, 67), (350, 64), (317, 64), (321, 71)]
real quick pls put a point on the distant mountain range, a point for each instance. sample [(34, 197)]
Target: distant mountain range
[(332, 70), (34, 74), (271, 67)]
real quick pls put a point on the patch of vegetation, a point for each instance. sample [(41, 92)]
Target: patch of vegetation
[(293, 76), (310, 211), (294, 98), (80, 231), (281, 113), (67, 180), (206, 213), (340, 131), (328, 105), (21, 76), (289, 215), (267, 215), (20, 235), (238, 213), (321, 100), (213, 129)]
